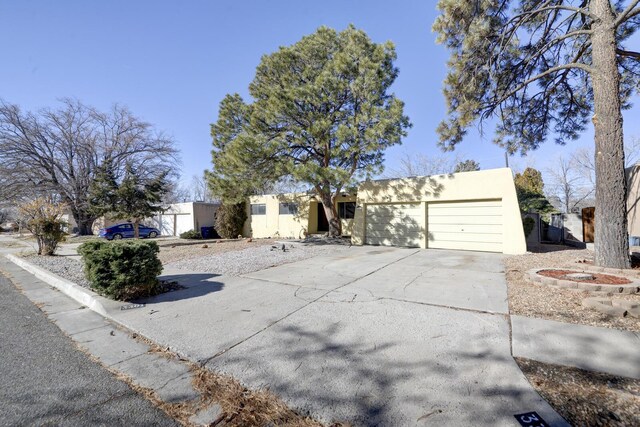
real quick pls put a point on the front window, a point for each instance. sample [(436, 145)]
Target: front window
[(258, 209), (346, 210), (288, 208)]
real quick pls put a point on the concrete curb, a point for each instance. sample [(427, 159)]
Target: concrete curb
[(84, 296)]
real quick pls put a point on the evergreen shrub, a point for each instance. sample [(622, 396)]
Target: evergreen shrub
[(122, 270)]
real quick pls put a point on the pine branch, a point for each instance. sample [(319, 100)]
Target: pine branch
[(551, 70)]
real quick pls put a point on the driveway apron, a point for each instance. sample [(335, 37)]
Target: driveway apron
[(377, 336)]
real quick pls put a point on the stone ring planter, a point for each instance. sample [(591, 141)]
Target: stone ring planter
[(631, 288)]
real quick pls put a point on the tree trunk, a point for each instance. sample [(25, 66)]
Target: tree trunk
[(328, 203), (611, 239), (84, 222), (136, 228)]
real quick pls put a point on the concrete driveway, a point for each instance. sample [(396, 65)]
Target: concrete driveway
[(370, 335)]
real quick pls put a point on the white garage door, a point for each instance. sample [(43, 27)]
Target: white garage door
[(395, 224), (184, 222), (474, 226), (167, 224)]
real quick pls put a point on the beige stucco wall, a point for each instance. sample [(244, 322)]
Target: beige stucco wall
[(272, 224), (204, 214), (491, 184), (633, 200)]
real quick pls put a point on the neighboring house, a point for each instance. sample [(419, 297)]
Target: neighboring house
[(633, 199), (469, 210), (294, 215), (181, 217), (582, 225)]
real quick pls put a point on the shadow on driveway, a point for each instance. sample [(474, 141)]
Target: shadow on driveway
[(195, 285), (389, 363)]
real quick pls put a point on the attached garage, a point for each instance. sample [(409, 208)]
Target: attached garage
[(475, 211), (396, 224), (475, 226)]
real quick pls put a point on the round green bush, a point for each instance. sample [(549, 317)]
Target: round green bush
[(122, 270)]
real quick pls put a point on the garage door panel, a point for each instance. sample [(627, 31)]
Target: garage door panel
[(466, 212), (392, 228), (383, 223), (471, 246), (467, 204), (466, 225), (408, 241), (465, 237), (466, 228), (466, 220), (400, 224)]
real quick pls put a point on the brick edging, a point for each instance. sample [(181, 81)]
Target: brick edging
[(631, 288)]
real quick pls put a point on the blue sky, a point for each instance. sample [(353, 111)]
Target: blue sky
[(172, 62)]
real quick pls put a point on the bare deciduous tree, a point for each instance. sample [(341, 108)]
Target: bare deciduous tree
[(57, 152), (566, 183), (200, 189), (418, 164), (585, 158)]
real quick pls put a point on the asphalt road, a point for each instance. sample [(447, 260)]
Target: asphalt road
[(45, 380)]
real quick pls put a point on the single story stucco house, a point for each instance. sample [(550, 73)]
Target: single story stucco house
[(469, 211), (294, 215)]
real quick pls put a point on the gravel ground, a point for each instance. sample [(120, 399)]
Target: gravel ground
[(586, 398), (230, 258), (245, 261), (65, 267), (564, 305), (178, 250)]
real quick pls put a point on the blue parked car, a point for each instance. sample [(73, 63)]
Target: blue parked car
[(125, 231)]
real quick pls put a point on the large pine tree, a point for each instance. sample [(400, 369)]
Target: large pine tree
[(544, 68), (321, 114)]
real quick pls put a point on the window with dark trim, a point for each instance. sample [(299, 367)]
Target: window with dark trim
[(288, 208), (258, 209), (346, 210)]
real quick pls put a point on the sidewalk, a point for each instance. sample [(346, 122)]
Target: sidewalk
[(167, 381), (586, 347), (46, 380)]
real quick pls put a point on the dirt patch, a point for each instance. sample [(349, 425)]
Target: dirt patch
[(585, 398), (598, 278), (178, 250), (547, 302)]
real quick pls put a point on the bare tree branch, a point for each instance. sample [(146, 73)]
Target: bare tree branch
[(628, 13), (628, 53)]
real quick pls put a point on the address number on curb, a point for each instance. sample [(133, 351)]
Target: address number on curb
[(131, 306), (531, 419)]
